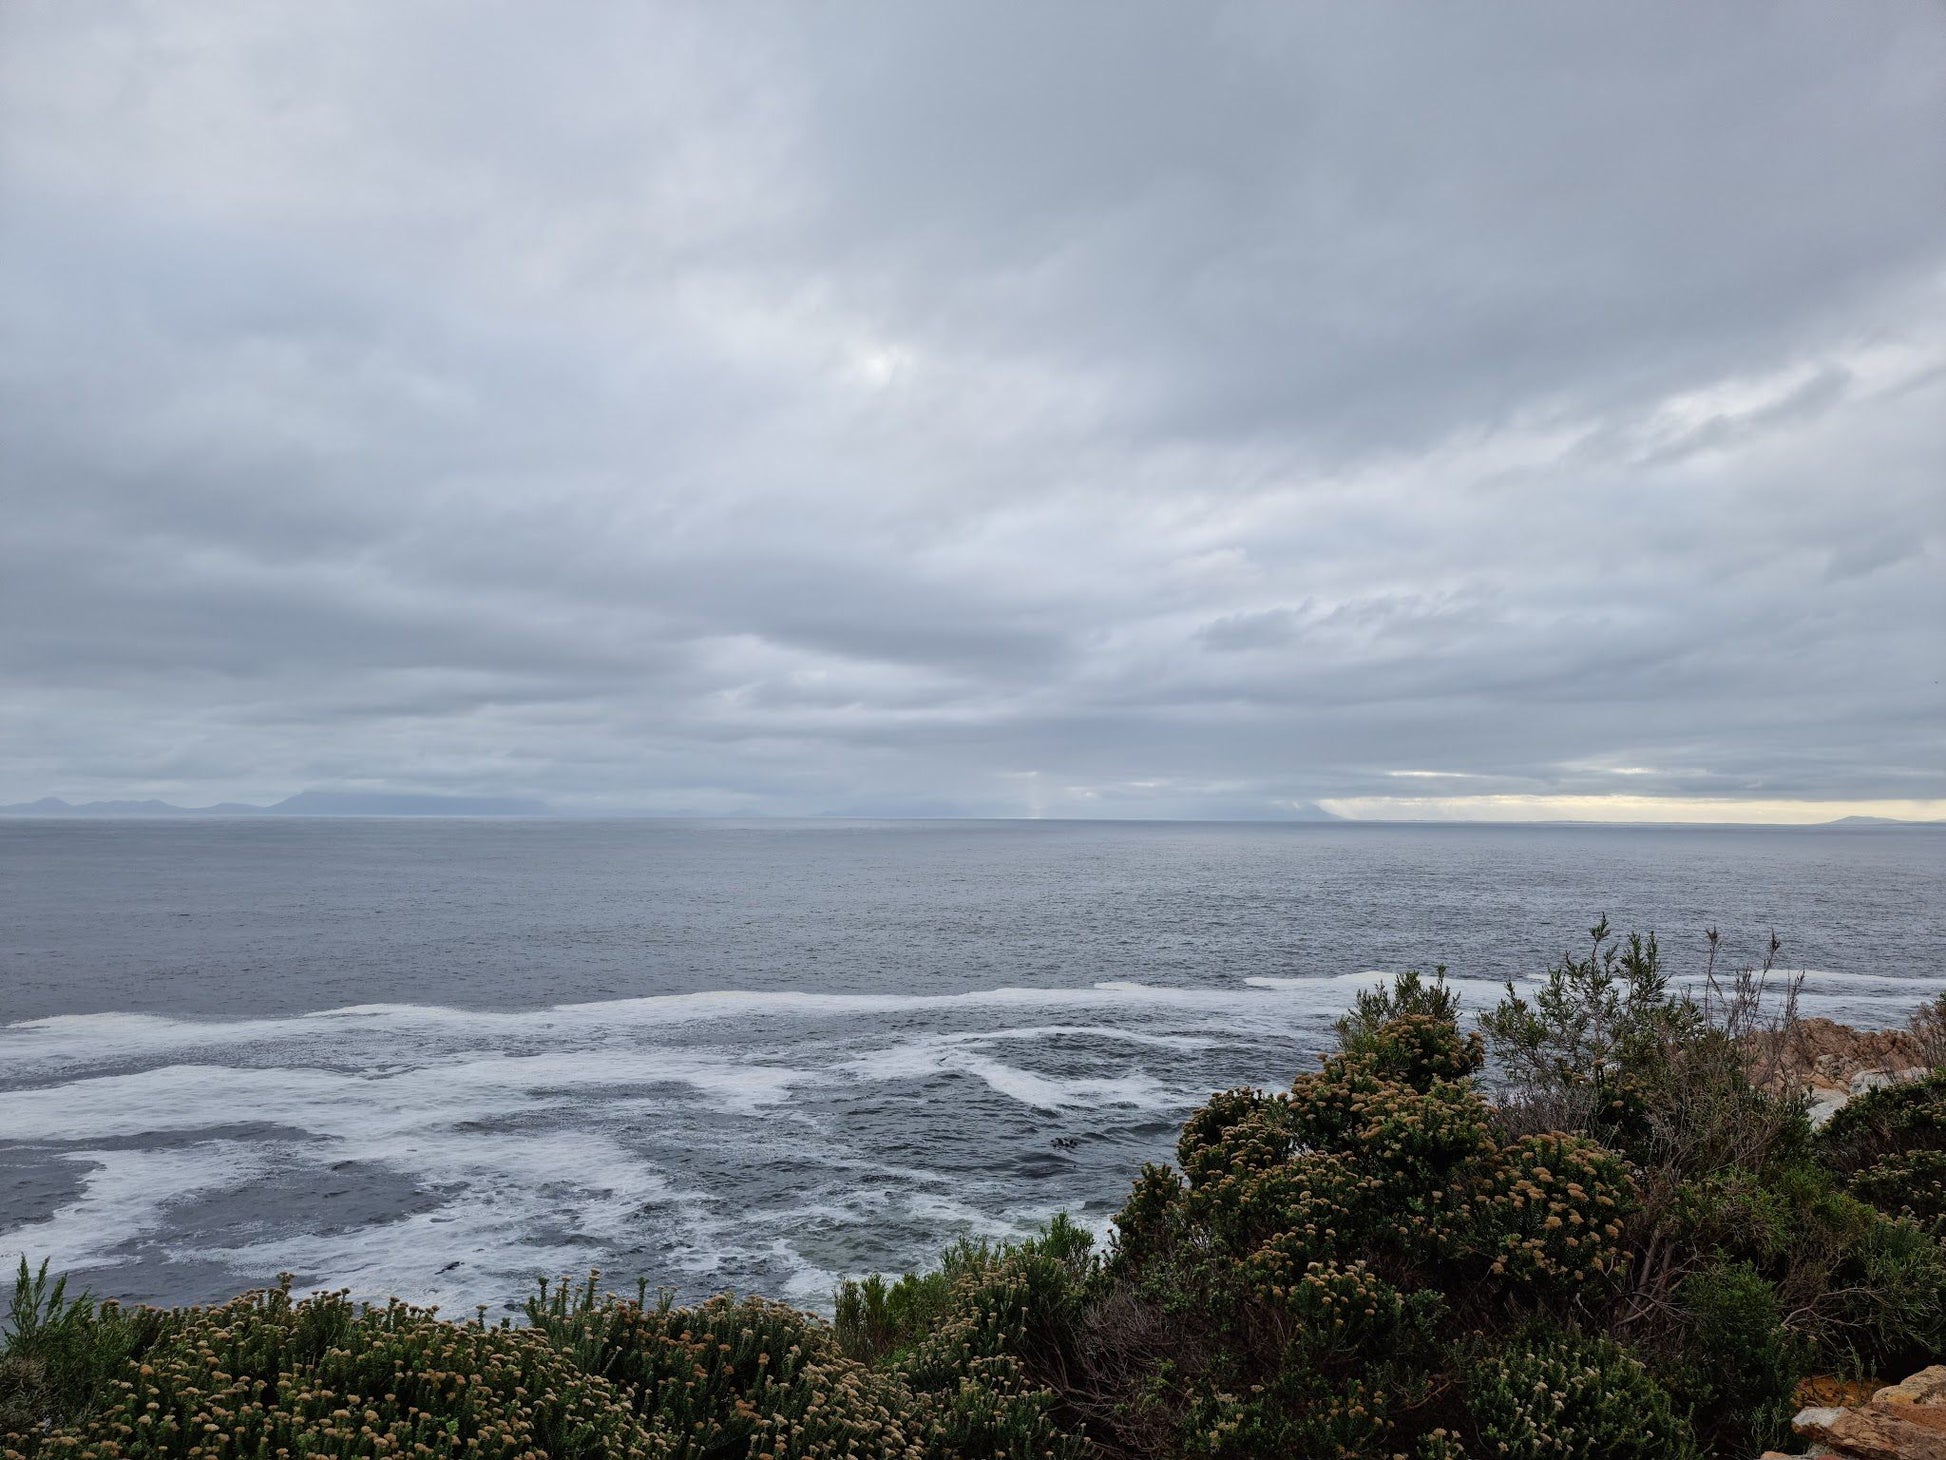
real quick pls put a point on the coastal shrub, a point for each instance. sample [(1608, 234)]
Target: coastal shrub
[(752, 1377), (589, 1376), (1888, 1146), (1552, 1218), (59, 1351), (1323, 1253), (730, 1376), (1885, 1304), (1912, 1183), (1295, 1413), (1360, 1265), (1928, 1024), (264, 1376), (875, 1319), (1606, 1048), (1583, 1053), (1735, 1214), (1862, 1292), (989, 1367), (1741, 1361), (1552, 1397), (1372, 1027)]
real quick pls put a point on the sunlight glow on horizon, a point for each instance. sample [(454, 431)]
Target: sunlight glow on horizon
[(1624, 808)]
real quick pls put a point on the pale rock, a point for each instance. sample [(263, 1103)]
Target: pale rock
[(1927, 1387), (1872, 1433)]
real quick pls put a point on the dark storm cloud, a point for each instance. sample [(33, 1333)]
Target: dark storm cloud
[(1011, 408)]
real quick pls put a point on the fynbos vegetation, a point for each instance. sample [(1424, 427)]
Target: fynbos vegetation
[(1638, 1248)]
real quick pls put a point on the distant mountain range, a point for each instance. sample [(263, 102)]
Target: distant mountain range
[(1878, 821), (304, 803), (374, 803)]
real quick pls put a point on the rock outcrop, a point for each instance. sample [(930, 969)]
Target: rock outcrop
[(1832, 1062), (1901, 1422)]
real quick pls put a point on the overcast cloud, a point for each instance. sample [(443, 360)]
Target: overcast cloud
[(984, 408)]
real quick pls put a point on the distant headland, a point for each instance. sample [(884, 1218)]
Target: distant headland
[(304, 803)]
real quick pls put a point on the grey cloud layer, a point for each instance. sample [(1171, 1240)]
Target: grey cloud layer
[(974, 408)]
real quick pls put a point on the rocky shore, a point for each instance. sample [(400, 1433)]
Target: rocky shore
[(1833, 1062), (1900, 1422)]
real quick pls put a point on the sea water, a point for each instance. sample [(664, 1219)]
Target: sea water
[(440, 1058)]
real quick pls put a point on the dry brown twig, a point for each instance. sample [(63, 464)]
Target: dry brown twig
[(1928, 1024)]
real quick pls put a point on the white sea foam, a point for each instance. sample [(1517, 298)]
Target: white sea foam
[(1332, 992), (1086, 1031), (524, 1206), (110, 1039), (648, 1132), (44, 1048), (915, 1058), (126, 1194)]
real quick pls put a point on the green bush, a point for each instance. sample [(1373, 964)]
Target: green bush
[(264, 1376), (875, 1319), (1567, 1397), (1426, 1045), (1324, 1251), (1885, 1304), (1889, 1147), (1736, 1214), (60, 1352), (731, 1376), (1005, 1318), (1552, 1215), (1742, 1361), (1332, 1265), (1582, 1054), (1928, 1025)]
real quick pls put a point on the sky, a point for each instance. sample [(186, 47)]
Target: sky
[(1000, 409)]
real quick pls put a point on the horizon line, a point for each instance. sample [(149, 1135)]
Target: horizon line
[(245, 811)]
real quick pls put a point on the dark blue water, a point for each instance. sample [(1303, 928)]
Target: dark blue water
[(439, 1057)]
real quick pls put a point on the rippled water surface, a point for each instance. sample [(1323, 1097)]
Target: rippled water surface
[(437, 1058)]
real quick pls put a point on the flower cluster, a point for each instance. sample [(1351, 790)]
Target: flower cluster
[(1554, 1213), (1336, 1305), (591, 1378), (267, 1377), (1559, 1396)]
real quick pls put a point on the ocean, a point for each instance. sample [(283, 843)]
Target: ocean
[(440, 1058)]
